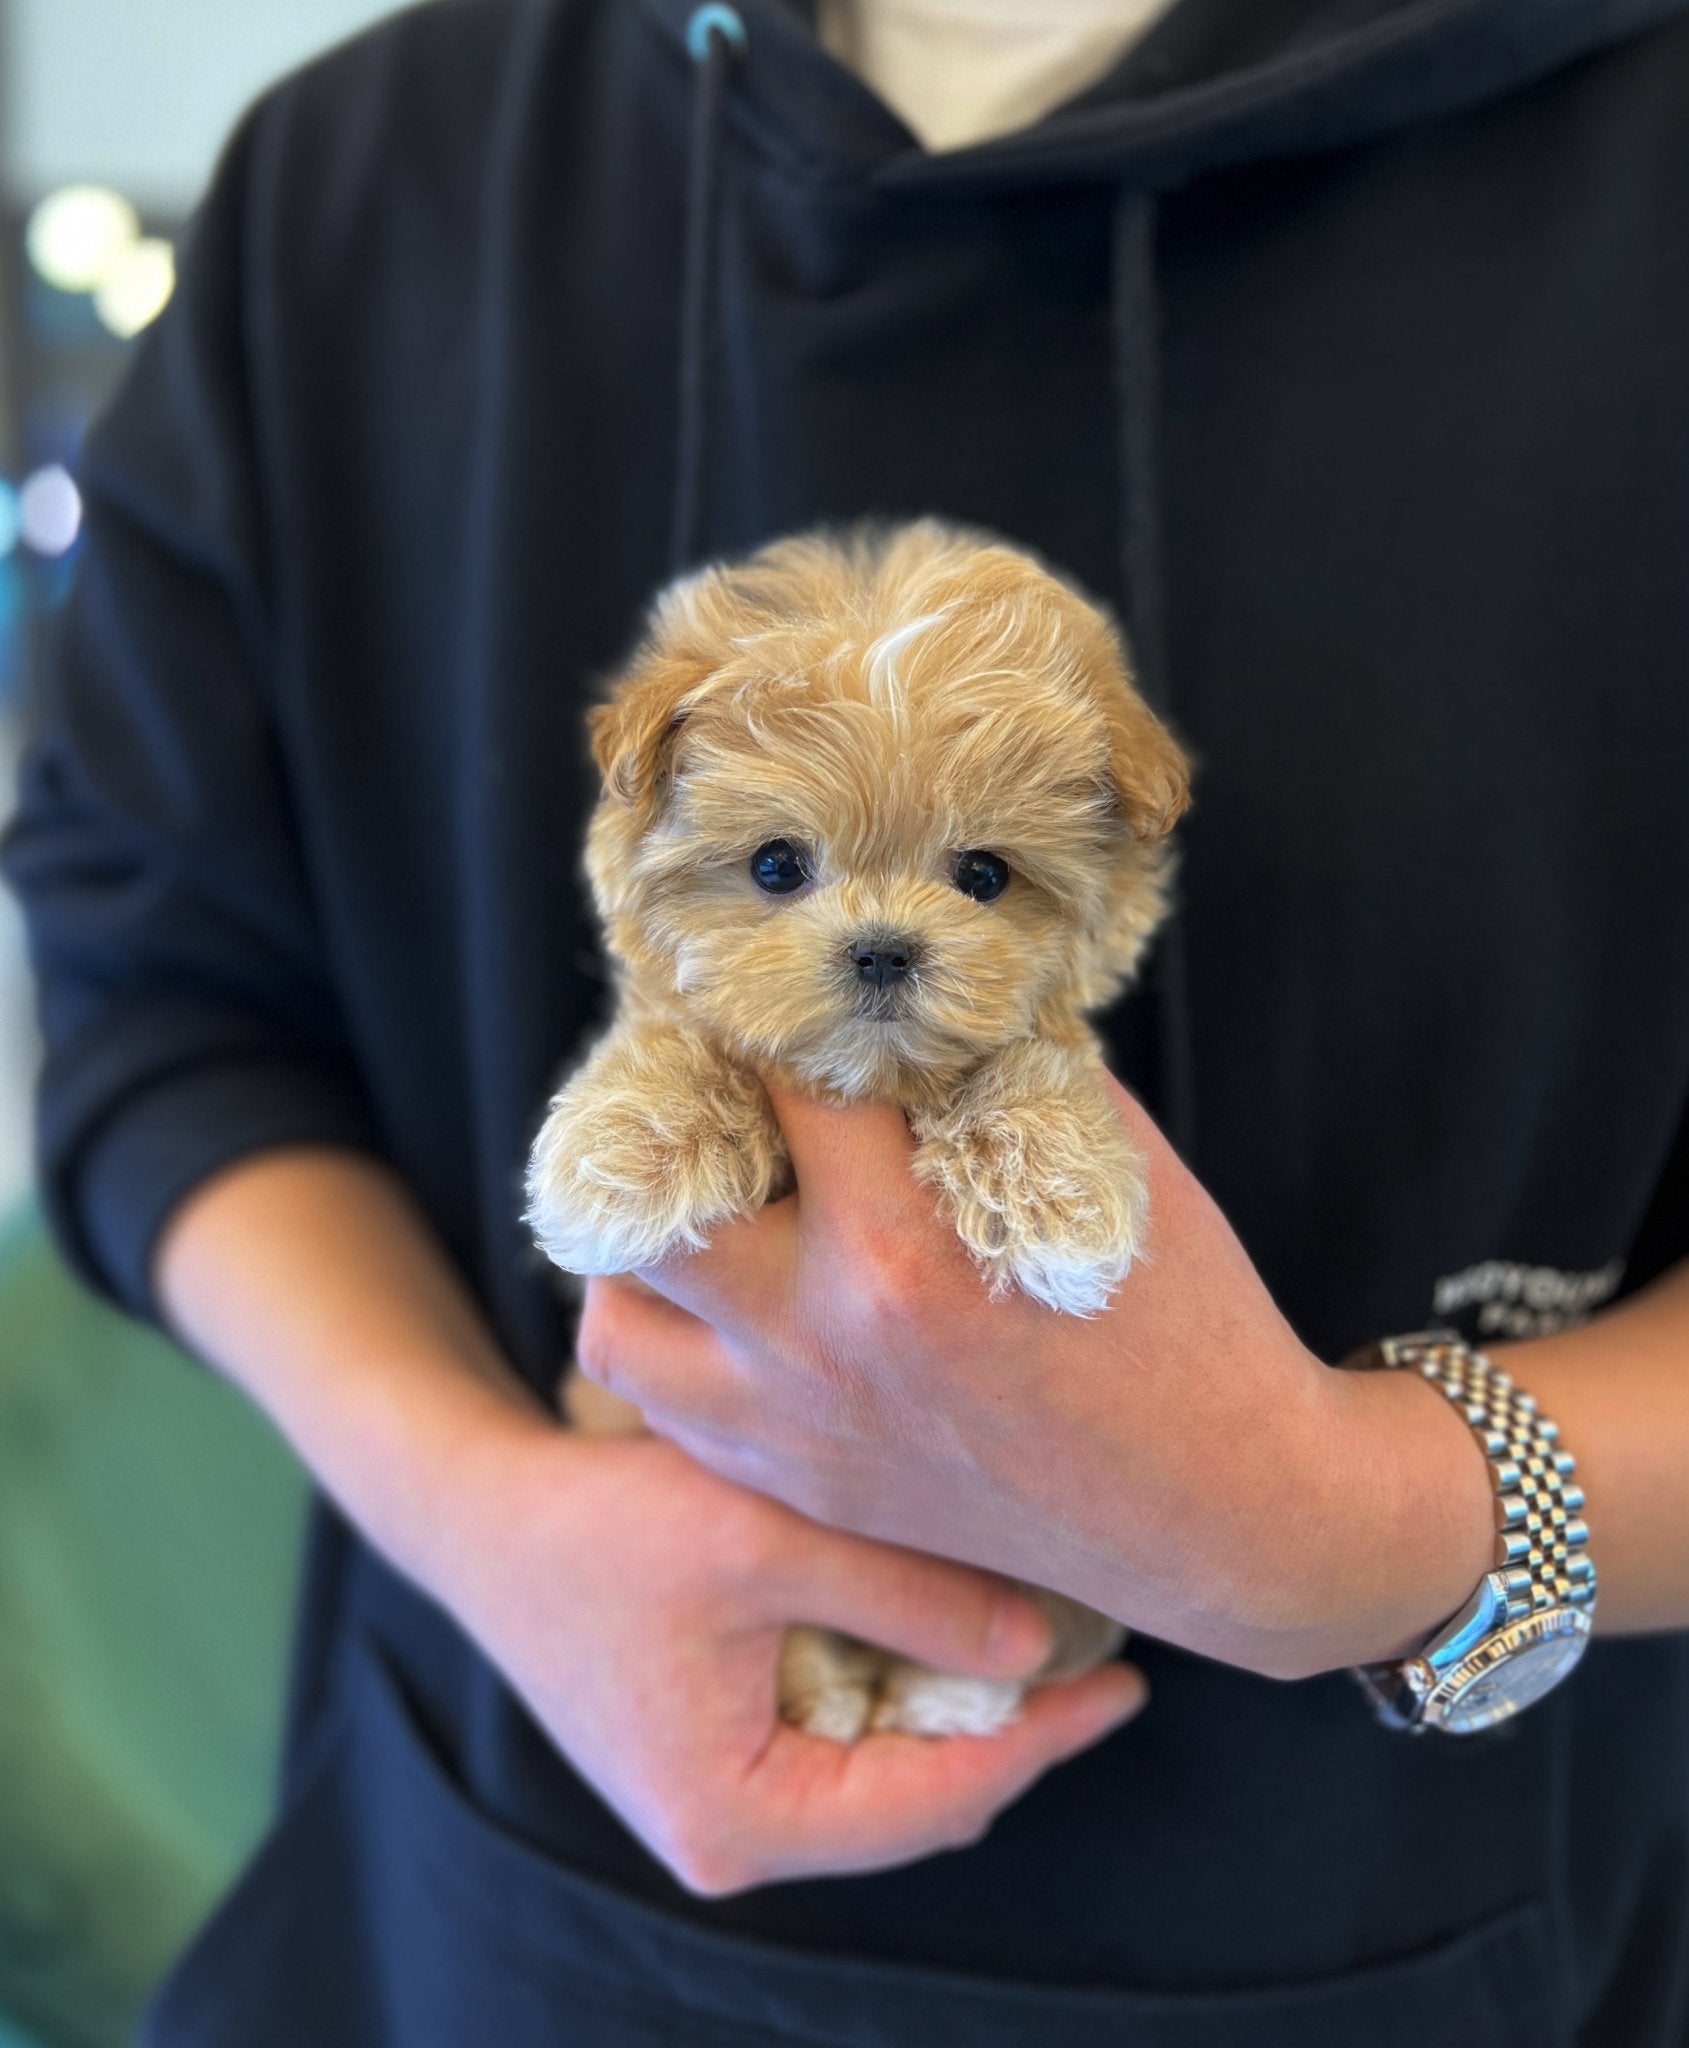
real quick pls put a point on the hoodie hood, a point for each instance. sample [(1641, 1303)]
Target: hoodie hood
[(1212, 86)]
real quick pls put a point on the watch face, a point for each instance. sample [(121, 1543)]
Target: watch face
[(1515, 1667)]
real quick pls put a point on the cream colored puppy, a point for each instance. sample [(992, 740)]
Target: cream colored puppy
[(883, 816)]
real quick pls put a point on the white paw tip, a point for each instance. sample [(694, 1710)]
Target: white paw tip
[(1074, 1287), (931, 1703)]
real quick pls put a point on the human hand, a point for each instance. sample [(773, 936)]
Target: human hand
[(1181, 1461), (638, 1604)]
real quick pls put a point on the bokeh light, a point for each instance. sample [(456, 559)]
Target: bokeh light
[(77, 234), (11, 519), (50, 510), (135, 290)]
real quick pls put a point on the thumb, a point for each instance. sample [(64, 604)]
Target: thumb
[(947, 1615)]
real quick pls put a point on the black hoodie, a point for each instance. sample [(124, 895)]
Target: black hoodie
[(1344, 344)]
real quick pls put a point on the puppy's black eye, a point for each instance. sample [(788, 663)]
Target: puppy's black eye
[(983, 876), (779, 867)]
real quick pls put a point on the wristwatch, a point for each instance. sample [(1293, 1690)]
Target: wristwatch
[(1528, 1623)]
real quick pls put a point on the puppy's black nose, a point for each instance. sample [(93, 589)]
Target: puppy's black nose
[(882, 960)]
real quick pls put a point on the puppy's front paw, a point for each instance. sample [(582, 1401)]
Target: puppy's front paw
[(653, 1143), (917, 1701), (1044, 1186), (828, 1682), (834, 1686)]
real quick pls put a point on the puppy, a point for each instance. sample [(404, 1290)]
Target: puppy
[(883, 816)]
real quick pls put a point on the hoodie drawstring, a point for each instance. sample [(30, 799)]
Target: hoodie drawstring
[(1135, 319), (715, 35), (715, 38)]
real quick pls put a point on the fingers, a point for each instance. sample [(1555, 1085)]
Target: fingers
[(746, 1266), (843, 1153), (670, 1365), (852, 1164), (891, 1798), (637, 1345), (947, 1615)]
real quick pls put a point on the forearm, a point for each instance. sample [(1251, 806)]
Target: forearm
[(1619, 1389), (311, 1280)]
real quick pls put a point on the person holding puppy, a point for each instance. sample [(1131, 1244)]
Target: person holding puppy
[(1342, 348)]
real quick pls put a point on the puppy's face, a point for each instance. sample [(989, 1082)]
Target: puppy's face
[(873, 808)]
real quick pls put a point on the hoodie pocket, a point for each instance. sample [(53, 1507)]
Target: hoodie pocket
[(386, 1911)]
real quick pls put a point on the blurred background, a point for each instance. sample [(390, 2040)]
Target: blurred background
[(148, 1523)]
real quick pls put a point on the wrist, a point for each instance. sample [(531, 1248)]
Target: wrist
[(1398, 1526), (429, 1468)]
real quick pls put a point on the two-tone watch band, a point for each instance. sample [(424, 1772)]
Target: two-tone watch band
[(1541, 1545), (1528, 1622)]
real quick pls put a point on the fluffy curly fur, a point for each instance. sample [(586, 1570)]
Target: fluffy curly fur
[(883, 701)]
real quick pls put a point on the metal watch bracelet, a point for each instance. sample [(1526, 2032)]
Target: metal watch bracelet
[(1526, 1625)]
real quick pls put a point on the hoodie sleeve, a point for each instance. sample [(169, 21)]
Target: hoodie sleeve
[(187, 1011)]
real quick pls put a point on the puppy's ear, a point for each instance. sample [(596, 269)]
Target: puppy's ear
[(1147, 766), (634, 735), (1147, 771)]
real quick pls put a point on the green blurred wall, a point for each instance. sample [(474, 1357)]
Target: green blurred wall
[(150, 1525)]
